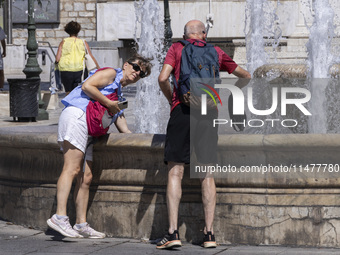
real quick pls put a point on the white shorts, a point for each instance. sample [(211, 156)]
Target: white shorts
[(72, 127)]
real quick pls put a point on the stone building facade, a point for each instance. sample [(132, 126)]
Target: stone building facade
[(110, 27), (82, 11)]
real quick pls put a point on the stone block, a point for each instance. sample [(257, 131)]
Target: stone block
[(68, 7), (50, 34), (72, 14), (86, 14), (61, 34), (78, 7), (90, 7), (64, 15), (91, 34)]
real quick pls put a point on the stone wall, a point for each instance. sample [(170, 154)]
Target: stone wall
[(82, 11), (127, 197)]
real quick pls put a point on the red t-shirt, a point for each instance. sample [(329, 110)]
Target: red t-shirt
[(173, 58)]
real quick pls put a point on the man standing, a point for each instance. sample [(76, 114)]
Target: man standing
[(2, 55), (177, 145)]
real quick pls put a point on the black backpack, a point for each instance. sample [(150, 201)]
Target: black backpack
[(199, 70)]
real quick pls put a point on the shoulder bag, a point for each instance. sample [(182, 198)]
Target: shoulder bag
[(88, 60)]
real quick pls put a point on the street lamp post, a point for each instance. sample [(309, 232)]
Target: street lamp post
[(32, 69), (167, 22)]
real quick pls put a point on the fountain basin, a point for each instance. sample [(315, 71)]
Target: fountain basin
[(287, 93), (127, 197), (298, 71)]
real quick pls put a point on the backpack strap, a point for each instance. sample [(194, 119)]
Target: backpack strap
[(175, 82), (103, 68), (184, 42), (196, 42)]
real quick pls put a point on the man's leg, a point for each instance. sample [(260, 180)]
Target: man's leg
[(209, 202), (174, 193), (173, 198), (177, 149), (205, 144)]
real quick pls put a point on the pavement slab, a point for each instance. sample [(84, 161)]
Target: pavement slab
[(18, 240)]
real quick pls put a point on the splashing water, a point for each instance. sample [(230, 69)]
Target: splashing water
[(261, 21), (318, 46), (151, 111), (323, 105), (319, 62), (256, 55), (276, 30)]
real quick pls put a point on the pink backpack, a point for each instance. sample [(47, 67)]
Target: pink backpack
[(98, 117)]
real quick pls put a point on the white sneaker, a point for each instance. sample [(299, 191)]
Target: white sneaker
[(88, 232), (63, 226)]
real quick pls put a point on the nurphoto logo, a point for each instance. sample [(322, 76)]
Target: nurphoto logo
[(280, 98)]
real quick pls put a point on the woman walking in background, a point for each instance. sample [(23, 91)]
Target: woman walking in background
[(70, 57)]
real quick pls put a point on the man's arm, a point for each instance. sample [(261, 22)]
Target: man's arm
[(241, 73), (3, 44), (163, 80)]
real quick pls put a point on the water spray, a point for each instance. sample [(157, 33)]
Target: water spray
[(151, 108)]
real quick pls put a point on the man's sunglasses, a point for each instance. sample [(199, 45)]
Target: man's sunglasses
[(137, 69)]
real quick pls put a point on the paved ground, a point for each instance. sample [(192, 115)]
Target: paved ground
[(17, 240)]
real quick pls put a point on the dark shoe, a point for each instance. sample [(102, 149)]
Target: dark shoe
[(170, 241), (209, 241)]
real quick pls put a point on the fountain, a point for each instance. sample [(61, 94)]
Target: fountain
[(277, 191), (256, 55), (319, 45), (320, 58), (319, 62), (151, 109), (317, 75), (261, 22)]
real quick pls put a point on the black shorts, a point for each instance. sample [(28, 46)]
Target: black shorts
[(203, 135), (70, 80)]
